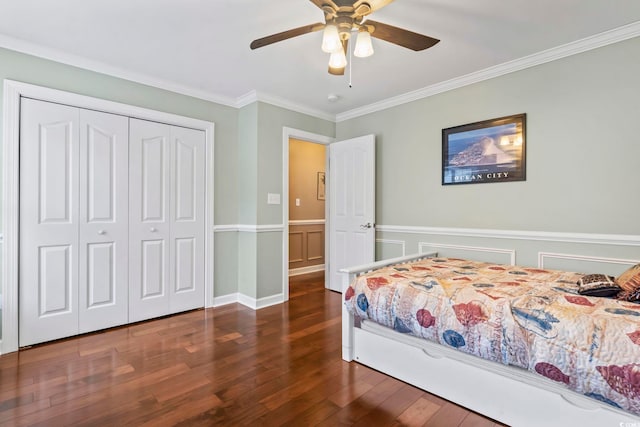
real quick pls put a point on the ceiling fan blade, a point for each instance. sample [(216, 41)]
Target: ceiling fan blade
[(400, 36), (264, 41)]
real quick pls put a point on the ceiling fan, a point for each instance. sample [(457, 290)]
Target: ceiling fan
[(341, 18)]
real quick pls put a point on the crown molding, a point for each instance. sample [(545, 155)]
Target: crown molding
[(255, 96), (593, 42), (56, 55)]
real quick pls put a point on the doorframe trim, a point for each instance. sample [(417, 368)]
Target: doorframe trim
[(288, 133), (13, 92)]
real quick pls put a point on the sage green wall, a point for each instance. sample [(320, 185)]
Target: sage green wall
[(269, 264), (271, 120), (226, 264), (583, 147), (260, 165), (247, 169), (247, 256)]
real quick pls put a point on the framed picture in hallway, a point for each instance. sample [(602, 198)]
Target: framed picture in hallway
[(321, 186), (487, 151)]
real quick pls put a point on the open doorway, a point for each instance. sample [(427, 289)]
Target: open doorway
[(305, 160), (306, 207)]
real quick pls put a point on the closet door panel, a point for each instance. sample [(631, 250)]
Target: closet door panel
[(153, 264), (48, 265), (187, 219), (103, 296), (154, 176), (149, 225), (185, 265)]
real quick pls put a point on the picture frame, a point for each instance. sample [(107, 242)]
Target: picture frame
[(321, 186), (487, 151)]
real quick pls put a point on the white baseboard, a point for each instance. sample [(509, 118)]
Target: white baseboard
[(252, 303), (306, 270), (225, 299), (257, 304)]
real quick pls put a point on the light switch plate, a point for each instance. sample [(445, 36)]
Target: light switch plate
[(273, 198)]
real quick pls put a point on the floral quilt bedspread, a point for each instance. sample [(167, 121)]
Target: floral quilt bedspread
[(527, 317)]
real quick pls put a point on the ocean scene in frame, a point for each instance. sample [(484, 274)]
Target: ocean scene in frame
[(490, 151)]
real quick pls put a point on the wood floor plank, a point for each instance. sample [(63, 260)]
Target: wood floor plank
[(392, 407), (449, 415), (418, 413), (229, 365), (476, 420)]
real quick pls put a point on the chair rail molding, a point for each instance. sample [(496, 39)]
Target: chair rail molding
[(307, 221), (248, 228), (549, 236)]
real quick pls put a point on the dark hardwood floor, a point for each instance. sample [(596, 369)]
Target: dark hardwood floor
[(223, 366)]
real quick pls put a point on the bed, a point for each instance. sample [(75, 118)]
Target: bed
[(517, 344)]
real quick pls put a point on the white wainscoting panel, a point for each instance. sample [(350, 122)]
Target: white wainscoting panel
[(584, 263), (399, 245), (502, 256)]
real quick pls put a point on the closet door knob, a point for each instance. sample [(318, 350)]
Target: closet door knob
[(153, 229), (102, 232)]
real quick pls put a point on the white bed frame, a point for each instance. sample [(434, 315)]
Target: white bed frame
[(507, 394)]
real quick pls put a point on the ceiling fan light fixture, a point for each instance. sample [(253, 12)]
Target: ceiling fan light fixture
[(331, 39), (338, 59), (364, 46)]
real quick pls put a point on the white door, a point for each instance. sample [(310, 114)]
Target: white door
[(104, 241), (166, 222), (351, 205), (187, 221), (149, 219), (112, 220), (73, 221), (48, 271)]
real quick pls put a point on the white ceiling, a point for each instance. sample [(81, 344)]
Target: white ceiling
[(201, 47)]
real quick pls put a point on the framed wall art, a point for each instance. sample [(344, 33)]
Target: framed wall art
[(321, 186), (487, 151)]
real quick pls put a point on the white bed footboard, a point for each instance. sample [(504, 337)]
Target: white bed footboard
[(348, 275)]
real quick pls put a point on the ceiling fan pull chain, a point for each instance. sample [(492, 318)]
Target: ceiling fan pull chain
[(350, 64)]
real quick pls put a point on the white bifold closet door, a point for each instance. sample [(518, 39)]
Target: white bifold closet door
[(166, 219), (73, 221), (112, 220)]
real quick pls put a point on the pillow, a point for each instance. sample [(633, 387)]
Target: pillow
[(629, 296), (629, 281), (597, 285)]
